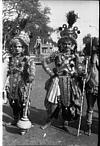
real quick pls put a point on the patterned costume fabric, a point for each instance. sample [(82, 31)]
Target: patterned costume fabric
[(21, 73), (63, 82), (63, 88), (92, 86)]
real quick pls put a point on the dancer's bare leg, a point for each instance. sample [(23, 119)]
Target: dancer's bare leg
[(51, 116)]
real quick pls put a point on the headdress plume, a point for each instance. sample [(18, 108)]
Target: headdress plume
[(71, 18)]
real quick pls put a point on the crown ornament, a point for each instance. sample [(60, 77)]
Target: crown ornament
[(67, 30), (23, 37), (68, 33)]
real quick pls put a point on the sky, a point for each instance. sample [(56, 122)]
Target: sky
[(88, 13)]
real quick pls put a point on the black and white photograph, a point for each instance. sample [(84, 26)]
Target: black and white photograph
[(50, 73)]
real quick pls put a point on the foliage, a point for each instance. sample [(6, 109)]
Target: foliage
[(29, 16)]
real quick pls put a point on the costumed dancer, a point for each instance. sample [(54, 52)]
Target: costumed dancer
[(63, 89), (21, 73), (92, 85)]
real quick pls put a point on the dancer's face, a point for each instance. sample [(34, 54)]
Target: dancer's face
[(19, 47)]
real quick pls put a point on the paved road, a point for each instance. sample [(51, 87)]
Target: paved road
[(52, 135)]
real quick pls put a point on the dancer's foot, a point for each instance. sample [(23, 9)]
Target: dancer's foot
[(65, 126), (88, 130), (46, 125), (14, 123)]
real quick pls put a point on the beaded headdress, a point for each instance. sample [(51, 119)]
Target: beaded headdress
[(23, 37), (68, 32)]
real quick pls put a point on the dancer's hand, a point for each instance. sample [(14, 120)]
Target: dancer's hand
[(4, 96), (55, 71)]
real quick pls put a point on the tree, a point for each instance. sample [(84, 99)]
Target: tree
[(29, 16)]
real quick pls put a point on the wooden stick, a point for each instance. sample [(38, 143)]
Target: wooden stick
[(83, 92)]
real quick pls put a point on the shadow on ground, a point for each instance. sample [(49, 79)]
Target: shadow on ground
[(83, 124), (38, 117), (7, 115)]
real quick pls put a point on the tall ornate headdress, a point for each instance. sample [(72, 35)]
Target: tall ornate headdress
[(69, 32), (23, 37)]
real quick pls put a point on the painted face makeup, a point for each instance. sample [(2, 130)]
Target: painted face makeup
[(19, 47)]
